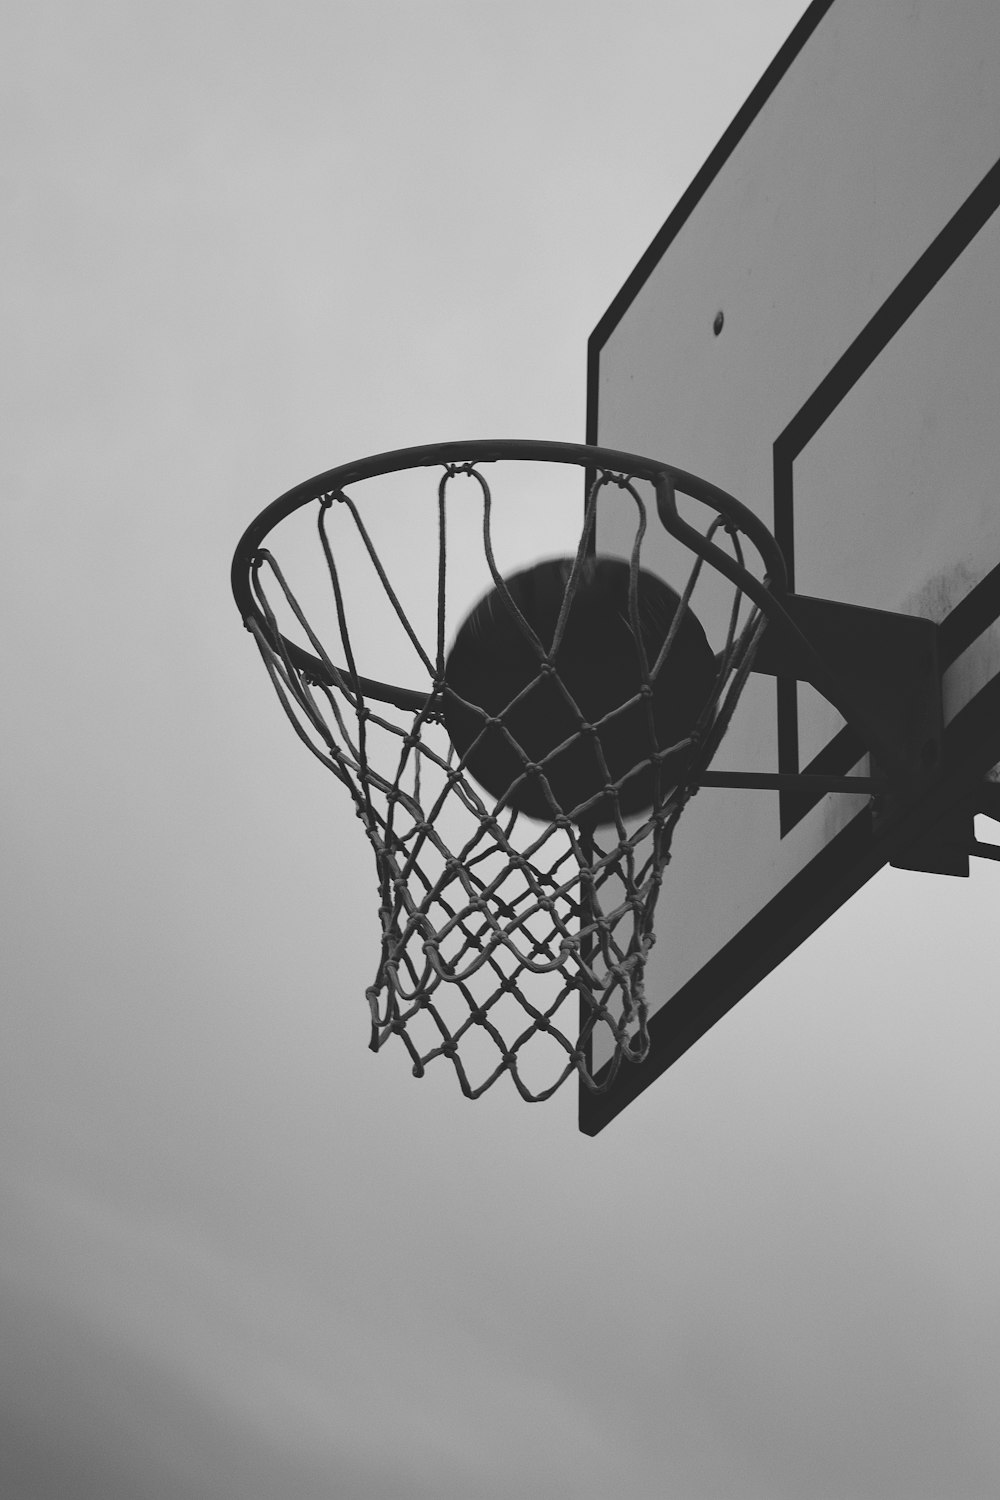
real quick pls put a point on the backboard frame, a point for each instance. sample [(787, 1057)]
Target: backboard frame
[(972, 747)]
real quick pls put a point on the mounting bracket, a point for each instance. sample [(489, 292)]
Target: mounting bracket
[(883, 672), (950, 841)]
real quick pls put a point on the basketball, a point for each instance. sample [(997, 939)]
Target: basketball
[(493, 663)]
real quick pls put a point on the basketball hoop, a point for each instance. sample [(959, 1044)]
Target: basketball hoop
[(521, 805)]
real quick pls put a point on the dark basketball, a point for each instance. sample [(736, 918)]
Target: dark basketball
[(492, 662)]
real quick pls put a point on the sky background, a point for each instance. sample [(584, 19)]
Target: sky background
[(240, 1255)]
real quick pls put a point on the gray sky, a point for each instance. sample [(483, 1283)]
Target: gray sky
[(240, 1255)]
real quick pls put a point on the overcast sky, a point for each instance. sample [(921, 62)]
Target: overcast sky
[(240, 1255)]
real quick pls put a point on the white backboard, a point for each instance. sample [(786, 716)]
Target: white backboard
[(845, 228)]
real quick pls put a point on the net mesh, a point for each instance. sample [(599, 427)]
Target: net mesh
[(509, 946)]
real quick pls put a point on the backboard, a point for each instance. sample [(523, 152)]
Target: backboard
[(816, 328)]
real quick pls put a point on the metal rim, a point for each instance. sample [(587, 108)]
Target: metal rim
[(662, 475)]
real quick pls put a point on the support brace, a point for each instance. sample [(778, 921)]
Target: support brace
[(883, 672)]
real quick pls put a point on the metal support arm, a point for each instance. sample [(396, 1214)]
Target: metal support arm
[(887, 675)]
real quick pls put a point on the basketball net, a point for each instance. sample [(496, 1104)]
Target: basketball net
[(508, 945)]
